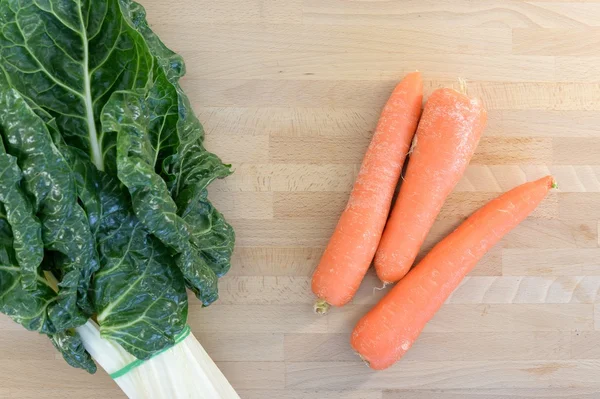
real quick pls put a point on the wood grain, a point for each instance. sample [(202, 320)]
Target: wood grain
[(487, 13), (500, 393), (462, 346), (486, 318), (517, 374), (289, 92)]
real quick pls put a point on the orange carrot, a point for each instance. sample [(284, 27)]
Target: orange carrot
[(354, 241), (384, 334), (446, 139)]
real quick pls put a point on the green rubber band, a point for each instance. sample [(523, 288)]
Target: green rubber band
[(138, 362)]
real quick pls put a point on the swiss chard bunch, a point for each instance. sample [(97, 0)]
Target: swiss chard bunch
[(103, 203)]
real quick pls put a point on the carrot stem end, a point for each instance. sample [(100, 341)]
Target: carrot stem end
[(321, 306)]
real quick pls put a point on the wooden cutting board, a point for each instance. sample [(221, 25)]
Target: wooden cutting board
[(289, 92)]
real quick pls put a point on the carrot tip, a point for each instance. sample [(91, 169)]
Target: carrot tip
[(321, 306)]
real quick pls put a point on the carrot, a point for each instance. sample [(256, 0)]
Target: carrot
[(388, 330), (354, 241), (446, 139)]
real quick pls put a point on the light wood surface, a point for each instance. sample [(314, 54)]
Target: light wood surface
[(289, 92)]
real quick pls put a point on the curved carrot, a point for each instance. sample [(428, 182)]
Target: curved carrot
[(384, 334), (446, 139), (354, 241)]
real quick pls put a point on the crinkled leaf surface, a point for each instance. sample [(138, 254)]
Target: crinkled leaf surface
[(65, 231), (139, 292), (28, 307), (187, 167), (127, 114), (67, 57), (26, 230), (26, 303), (69, 344), (118, 194)]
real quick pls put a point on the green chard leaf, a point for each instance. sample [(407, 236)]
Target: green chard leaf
[(179, 156), (69, 344), (26, 303), (139, 292), (114, 170), (26, 229), (127, 114), (6, 239), (211, 234), (65, 231), (67, 58), (30, 308)]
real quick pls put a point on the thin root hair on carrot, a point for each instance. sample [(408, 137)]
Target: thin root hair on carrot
[(365, 361), (385, 284), (413, 145), (462, 84)]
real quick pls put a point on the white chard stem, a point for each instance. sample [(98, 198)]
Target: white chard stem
[(183, 371)]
